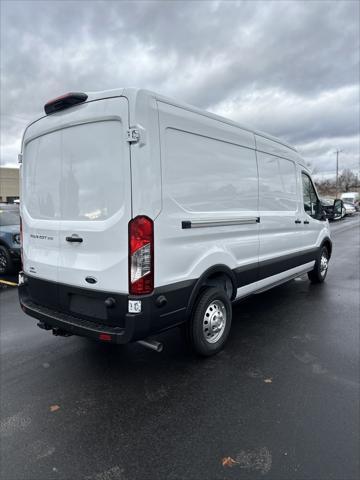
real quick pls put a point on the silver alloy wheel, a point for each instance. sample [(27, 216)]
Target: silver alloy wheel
[(214, 321), (324, 263)]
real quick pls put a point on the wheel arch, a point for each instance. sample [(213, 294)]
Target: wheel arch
[(217, 275), (328, 244)]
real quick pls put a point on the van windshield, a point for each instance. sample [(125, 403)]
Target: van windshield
[(75, 173)]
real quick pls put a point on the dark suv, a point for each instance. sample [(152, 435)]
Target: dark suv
[(9, 238)]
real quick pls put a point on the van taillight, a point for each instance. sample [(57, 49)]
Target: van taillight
[(141, 255)]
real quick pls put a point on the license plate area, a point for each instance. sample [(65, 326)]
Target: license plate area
[(87, 306)]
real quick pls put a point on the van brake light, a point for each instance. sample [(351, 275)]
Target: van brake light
[(65, 101), (141, 256)]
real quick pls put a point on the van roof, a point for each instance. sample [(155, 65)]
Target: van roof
[(139, 99), (139, 95)]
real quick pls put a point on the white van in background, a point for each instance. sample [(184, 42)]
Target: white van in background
[(140, 214), (351, 198)]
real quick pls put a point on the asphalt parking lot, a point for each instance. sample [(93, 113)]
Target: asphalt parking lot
[(280, 402)]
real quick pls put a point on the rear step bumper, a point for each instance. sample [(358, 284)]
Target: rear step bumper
[(78, 326), (78, 311)]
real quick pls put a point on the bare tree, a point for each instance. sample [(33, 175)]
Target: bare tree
[(347, 179), (326, 186)]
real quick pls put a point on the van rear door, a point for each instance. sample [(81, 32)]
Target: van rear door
[(77, 191)]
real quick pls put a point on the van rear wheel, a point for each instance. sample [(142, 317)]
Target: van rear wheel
[(210, 323), (318, 274)]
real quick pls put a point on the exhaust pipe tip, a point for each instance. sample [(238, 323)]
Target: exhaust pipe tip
[(152, 345)]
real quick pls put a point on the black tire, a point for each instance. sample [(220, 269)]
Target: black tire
[(6, 264), (318, 274), (212, 306)]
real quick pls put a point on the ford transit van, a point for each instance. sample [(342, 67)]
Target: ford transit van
[(140, 214)]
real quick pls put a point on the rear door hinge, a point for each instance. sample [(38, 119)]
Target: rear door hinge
[(136, 134), (133, 135), (20, 158)]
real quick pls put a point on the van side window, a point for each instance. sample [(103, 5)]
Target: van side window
[(311, 201), (277, 182)]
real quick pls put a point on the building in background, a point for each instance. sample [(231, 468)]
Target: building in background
[(9, 184)]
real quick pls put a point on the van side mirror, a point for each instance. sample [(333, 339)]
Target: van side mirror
[(337, 207)]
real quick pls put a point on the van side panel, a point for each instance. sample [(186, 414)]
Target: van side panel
[(281, 236), (279, 207), (209, 174), (288, 237)]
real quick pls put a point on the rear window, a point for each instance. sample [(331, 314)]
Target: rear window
[(75, 173)]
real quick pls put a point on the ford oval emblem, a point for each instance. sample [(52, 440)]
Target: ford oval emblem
[(91, 280)]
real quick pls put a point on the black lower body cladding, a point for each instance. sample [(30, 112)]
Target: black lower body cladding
[(86, 312), (274, 266), (89, 312)]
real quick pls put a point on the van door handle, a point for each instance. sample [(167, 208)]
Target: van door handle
[(297, 221), (306, 222), (74, 239)]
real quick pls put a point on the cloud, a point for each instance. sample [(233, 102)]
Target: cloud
[(290, 68), (294, 117)]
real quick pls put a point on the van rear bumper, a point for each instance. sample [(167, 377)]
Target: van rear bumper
[(52, 303), (76, 325)]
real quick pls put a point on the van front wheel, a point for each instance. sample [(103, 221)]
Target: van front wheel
[(318, 274), (210, 322)]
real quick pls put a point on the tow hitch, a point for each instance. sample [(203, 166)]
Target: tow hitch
[(43, 326), (60, 333), (56, 331)]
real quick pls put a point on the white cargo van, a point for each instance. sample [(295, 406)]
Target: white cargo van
[(352, 198), (140, 214)]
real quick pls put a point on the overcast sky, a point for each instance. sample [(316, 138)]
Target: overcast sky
[(286, 67)]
